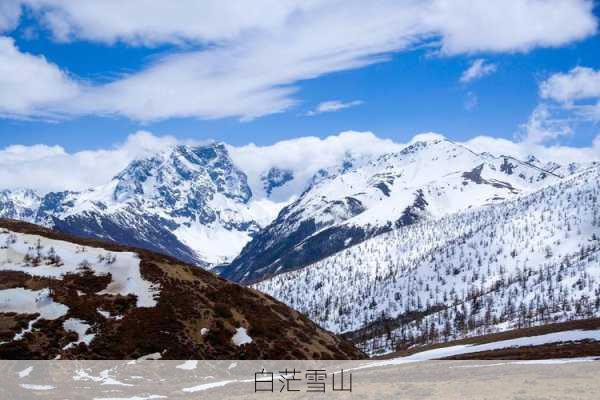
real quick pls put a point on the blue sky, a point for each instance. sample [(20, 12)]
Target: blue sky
[(416, 89)]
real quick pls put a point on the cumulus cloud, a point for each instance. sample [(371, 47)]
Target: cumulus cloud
[(51, 168), (577, 91), (478, 69), (244, 61), (333, 106), (523, 149), (46, 167), (577, 84), (544, 126), (508, 26), (305, 156), (463, 25), (567, 99)]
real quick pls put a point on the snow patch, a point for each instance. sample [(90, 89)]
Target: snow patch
[(152, 396), (124, 267), (108, 315), (188, 365), (206, 386), (104, 378), (213, 243), (29, 386), (80, 327), (241, 337), (152, 356), (25, 372), (25, 301)]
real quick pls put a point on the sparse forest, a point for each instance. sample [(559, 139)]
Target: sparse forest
[(529, 261)]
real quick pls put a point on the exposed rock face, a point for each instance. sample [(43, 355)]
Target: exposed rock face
[(275, 178)]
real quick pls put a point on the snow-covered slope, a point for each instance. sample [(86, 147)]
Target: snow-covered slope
[(42, 257), (531, 260), (189, 202), (562, 170), (430, 178), (73, 298)]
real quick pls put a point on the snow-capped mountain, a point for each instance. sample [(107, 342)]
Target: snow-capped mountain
[(189, 202), (528, 261), (343, 206), (19, 204), (196, 203), (562, 170), (274, 178)]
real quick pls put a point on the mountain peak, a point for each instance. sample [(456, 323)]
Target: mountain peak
[(428, 137), (21, 193), (201, 154), (178, 171)]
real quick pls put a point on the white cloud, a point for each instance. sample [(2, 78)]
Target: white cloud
[(147, 22), (242, 60), (578, 84), (577, 91), (590, 112), (544, 126), (463, 25), (51, 168), (468, 26), (521, 150), (478, 69), (10, 12), (568, 99), (30, 84), (333, 106), (305, 156)]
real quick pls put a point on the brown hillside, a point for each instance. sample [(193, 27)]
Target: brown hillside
[(196, 316)]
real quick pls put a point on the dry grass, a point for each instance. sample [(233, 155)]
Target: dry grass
[(190, 299)]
